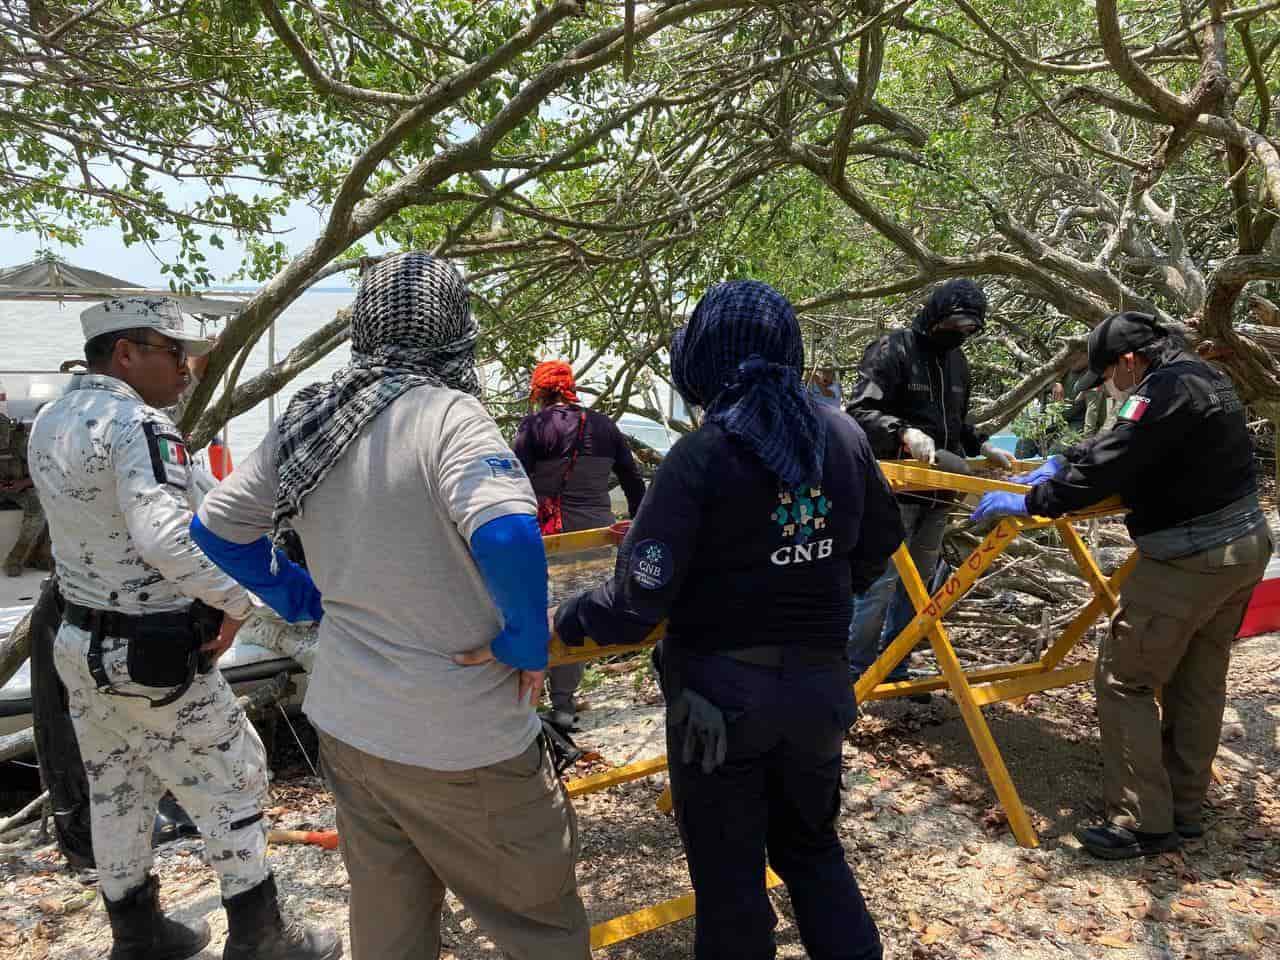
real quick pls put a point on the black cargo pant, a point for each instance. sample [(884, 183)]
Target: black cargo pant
[(778, 793)]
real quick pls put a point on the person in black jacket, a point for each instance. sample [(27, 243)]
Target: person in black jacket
[(751, 536), (1181, 458), (912, 399)]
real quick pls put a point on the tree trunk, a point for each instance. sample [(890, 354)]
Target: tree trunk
[(14, 745), (15, 649)]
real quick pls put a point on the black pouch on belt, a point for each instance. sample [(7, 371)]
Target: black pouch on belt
[(206, 622), (163, 650)]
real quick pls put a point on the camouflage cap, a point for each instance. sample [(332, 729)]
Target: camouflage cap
[(160, 314)]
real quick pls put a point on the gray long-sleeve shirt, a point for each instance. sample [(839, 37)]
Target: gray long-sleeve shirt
[(386, 535)]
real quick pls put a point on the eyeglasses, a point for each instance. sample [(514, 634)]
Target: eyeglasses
[(175, 350)]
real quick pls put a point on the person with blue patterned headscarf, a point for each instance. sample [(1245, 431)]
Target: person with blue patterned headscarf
[(755, 530)]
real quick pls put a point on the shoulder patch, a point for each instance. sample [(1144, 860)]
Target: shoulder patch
[(1134, 408), (170, 460), (1226, 399), (652, 564), (508, 467)]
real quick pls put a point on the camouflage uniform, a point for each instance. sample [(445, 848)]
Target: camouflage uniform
[(269, 630), (115, 481)]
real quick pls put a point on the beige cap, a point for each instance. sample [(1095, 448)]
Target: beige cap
[(160, 314)]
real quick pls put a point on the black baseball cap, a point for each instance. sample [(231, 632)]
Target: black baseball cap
[(1115, 336)]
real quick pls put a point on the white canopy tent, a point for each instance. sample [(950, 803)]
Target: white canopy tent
[(50, 279)]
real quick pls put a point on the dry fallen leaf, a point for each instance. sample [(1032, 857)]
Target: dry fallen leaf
[(1116, 938)]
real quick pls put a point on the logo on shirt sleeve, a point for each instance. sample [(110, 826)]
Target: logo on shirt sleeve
[(652, 564), (1134, 408), (505, 467), (170, 461)]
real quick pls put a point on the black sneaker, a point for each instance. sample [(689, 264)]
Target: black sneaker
[(1109, 841), (1189, 831)]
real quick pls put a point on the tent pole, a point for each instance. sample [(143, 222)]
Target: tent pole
[(271, 362)]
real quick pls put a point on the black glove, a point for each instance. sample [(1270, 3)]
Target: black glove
[(706, 729), (568, 629)]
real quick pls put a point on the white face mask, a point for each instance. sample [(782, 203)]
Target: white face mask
[(1116, 393)]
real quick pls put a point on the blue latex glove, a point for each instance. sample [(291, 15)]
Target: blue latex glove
[(291, 592), (1000, 504), (1046, 471), (511, 558)]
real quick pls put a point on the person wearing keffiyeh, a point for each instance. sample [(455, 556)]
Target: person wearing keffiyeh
[(749, 542), (419, 528)]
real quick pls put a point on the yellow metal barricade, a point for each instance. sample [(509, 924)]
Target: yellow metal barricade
[(972, 689)]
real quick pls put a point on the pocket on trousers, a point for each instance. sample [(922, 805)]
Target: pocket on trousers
[(533, 828), (1145, 646), (1124, 659)]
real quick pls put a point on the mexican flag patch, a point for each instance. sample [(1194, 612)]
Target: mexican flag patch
[(170, 461), (171, 451), (1134, 408)]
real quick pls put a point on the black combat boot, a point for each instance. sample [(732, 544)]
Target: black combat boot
[(139, 931), (257, 931)]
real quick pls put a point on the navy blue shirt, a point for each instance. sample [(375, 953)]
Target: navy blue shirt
[(731, 560), (1180, 449)]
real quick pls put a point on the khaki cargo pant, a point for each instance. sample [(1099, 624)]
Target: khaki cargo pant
[(200, 747), (1172, 633), (503, 838)]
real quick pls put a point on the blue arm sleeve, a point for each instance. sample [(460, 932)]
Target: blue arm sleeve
[(511, 558), (291, 592)]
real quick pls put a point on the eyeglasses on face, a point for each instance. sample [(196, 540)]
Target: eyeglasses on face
[(175, 350)]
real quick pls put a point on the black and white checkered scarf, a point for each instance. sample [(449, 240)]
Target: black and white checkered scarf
[(411, 326)]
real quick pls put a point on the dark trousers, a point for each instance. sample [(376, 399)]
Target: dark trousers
[(778, 793)]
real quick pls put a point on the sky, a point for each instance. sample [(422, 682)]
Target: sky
[(103, 250)]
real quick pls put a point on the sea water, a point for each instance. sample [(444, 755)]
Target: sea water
[(40, 335)]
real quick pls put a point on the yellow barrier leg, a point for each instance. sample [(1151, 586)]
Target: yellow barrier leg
[(1084, 560), (896, 651), (1019, 822), (611, 778), (651, 918), (934, 608), (1100, 604), (666, 803)]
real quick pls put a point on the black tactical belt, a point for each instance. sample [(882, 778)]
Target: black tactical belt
[(111, 623), (786, 655), (115, 624)]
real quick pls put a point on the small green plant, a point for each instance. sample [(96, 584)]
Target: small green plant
[(1046, 426)]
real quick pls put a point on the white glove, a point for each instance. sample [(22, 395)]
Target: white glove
[(920, 444), (997, 456)]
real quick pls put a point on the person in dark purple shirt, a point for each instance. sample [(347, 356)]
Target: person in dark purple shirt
[(545, 443)]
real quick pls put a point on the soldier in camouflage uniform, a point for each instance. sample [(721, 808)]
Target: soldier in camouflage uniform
[(114, 478)]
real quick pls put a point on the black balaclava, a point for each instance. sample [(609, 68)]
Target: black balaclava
[(955, 311)]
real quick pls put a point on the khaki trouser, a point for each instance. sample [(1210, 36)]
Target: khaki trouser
[(1172, 634), (503, 838), (200, 747)]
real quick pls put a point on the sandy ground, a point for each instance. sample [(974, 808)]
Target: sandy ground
[(937, 864)]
